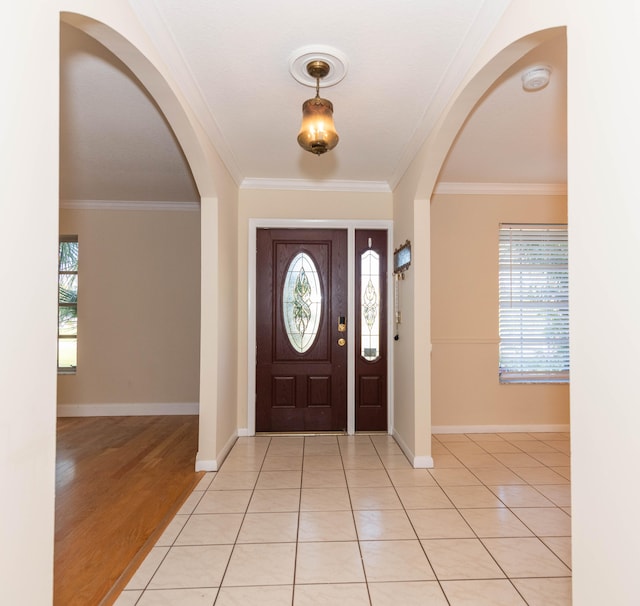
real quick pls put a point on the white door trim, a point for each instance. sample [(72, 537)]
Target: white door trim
[(350, 226)]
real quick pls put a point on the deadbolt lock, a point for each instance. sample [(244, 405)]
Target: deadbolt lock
[(342, 324)]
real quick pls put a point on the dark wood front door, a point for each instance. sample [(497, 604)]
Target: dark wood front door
[(301, 294)]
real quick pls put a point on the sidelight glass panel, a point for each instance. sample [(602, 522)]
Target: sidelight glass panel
[(370, 305), (302, 302)]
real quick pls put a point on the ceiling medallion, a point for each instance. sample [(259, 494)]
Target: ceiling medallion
[(336, 61)]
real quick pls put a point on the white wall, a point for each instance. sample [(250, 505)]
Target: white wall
[(28, 231), (604, 275)]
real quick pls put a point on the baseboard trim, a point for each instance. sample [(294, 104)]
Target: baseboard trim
[(499, 428), (138, 409), (243, 432), (421, 462), (215, 464), (206, 464)]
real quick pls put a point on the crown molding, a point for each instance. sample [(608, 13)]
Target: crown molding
[(502, 189), (309, 185), (144, 205)]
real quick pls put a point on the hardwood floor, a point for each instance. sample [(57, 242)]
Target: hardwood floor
[(119, 481)]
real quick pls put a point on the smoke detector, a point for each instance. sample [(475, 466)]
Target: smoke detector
[(536, 78)]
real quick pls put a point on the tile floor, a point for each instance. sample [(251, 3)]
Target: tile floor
[(345, 520)]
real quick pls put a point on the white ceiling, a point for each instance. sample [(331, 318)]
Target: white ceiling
[(231, 59)]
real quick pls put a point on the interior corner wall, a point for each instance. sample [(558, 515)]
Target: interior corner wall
[(466, 393), (412, 360), (138, 312), (228, 283), (218, 326)]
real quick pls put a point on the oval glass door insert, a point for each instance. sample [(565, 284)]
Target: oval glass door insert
[(302, 302)]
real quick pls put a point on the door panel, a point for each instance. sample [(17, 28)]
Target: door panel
[(371, 329), (301, 380)]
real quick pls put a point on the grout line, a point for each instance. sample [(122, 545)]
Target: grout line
[(244, 517), (342, 452)]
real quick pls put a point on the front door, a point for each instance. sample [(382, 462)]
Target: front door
[(301, 295)]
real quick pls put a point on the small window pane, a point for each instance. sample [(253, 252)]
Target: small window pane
[(68, 256), (68, 288), (370, 305), (67, 353), (67, 320), (302, 302)]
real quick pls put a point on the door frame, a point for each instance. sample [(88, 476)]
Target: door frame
[(350, 226)]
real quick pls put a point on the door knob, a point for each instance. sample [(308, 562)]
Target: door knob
[(341, 342)]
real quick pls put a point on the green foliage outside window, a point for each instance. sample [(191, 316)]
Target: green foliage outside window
[(68, 303)]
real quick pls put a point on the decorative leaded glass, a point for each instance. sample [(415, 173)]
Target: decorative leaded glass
[(370, 305), (302, 302)]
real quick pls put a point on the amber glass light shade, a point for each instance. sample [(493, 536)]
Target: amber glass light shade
[(317, 133)]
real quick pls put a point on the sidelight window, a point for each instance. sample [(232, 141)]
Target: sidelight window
[(370, 305)]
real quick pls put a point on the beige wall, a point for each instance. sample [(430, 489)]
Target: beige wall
[(464, 315), (138, 309), (289, 205), (228, 285)]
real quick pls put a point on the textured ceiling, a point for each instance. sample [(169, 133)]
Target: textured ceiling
[(232, 61)]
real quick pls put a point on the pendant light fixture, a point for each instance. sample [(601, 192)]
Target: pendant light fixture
[(317, 133)]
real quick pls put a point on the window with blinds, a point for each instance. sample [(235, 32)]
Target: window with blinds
[(534, 304)]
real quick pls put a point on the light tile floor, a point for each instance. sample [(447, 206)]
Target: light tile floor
[(345, 520)]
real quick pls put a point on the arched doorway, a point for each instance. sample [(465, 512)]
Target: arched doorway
[(178, 222)]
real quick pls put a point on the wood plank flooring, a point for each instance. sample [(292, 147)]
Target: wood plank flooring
[(119, 481)]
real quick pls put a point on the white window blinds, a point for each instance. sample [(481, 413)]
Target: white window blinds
[(534, 304)]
